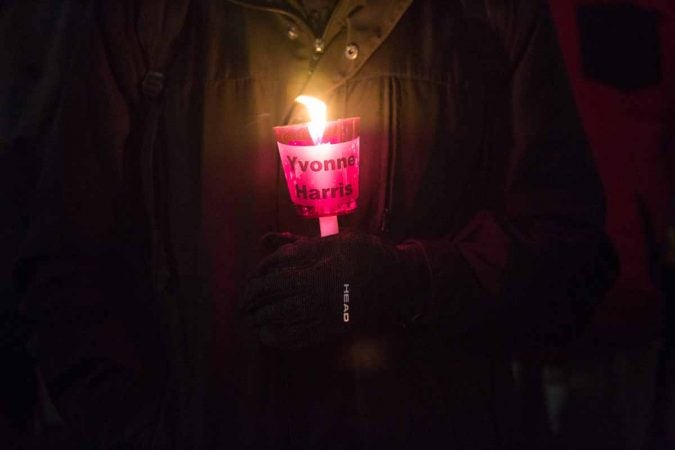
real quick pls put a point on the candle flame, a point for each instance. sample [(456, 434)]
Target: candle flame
[(317, 114)]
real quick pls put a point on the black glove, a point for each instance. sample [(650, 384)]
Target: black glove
[(314, 290)]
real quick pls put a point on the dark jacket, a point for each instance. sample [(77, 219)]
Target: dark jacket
[(470, 143)]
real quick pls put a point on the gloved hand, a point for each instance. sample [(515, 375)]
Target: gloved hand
[(314, 290)]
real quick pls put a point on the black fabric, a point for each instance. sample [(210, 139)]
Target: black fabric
[(543, 298), (18, 383), (620, 45), (457, 116), (88, 295)]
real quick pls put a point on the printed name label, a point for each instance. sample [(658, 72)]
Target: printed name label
[(324, 176)]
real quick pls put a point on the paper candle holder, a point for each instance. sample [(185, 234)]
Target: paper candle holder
[(323, 179)]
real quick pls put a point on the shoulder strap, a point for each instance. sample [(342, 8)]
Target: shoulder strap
[(159, 28)]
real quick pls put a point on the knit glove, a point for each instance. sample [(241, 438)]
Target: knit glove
[(309, 291)]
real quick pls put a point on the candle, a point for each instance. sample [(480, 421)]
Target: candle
[(321, 165)]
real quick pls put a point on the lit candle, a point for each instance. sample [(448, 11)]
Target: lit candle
[(321, 164), (317, 116)]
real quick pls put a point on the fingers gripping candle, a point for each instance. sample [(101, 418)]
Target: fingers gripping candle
[(321, 165)]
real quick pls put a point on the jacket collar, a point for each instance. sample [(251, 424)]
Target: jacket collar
[(293, 7), (368, 24), (377, 16)]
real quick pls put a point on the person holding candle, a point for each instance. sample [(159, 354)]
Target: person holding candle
[(478, 229)]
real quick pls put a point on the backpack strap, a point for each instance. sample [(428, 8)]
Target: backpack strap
[(159, 27)]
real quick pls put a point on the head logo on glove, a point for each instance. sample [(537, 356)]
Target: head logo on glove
[(345, 304)]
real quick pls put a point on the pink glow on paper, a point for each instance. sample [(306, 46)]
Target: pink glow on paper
[(322, 180)]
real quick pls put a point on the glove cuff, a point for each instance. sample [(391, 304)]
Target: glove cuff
[(415, 279)]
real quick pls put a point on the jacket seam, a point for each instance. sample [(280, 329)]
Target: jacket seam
[(355, 78)]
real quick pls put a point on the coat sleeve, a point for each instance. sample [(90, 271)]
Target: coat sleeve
[(534, 268), (82, 263)]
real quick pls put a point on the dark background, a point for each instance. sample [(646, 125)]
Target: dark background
[(613, 389)]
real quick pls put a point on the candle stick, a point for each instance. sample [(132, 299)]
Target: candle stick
[(328, 225)]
